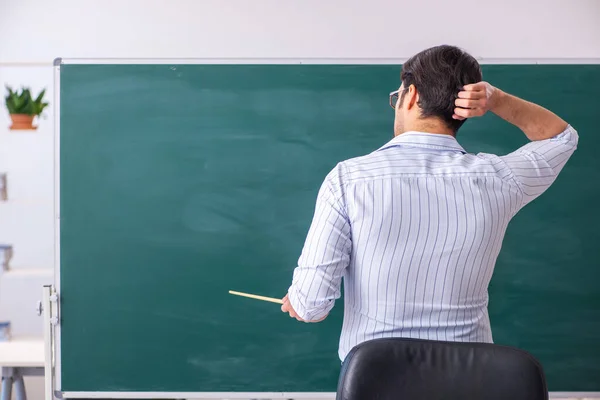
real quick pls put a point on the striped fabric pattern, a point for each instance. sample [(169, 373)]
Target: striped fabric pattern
[(414, 229)]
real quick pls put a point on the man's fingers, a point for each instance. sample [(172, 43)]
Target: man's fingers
[(479, 86), (462, 112), (470, 94), (469, 112), (472, 101), (285, 307), (468, 103)]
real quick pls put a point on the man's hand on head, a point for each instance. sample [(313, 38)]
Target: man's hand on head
[(287, 308), (474, 100)]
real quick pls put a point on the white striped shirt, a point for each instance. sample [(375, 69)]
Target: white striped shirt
[(414, 229)]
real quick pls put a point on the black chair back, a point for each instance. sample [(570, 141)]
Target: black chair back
[(413, 369)]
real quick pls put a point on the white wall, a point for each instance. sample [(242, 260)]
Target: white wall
[(34, 32), (26, 157), (26, 218)]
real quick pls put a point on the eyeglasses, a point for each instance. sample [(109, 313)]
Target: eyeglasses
[(394, 96)]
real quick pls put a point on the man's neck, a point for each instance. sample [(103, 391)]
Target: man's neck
[(429, 126)]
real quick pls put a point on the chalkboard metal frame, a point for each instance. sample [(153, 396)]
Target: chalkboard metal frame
[(54, 339)]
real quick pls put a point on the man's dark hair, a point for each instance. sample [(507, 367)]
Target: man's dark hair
[(439, 73)]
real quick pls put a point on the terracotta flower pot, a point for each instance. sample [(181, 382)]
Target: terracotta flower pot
[(22, 122)]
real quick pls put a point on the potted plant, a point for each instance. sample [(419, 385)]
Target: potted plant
[(23, 108)]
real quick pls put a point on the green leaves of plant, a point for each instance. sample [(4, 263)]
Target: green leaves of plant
[(23, 103)]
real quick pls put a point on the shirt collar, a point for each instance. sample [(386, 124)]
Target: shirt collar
[(425, 140)]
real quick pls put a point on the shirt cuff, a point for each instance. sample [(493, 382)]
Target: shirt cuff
[(308, 314), (568, 135)]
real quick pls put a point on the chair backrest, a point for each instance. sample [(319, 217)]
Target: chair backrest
[(413, 369)]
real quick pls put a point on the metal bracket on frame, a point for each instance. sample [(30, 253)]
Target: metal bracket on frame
[(48, 308)]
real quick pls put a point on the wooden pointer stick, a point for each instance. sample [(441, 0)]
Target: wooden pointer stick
[(253, 296)]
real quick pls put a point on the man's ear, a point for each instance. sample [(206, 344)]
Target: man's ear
[(412, 97)]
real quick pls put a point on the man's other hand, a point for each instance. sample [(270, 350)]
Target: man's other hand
[(287, 308)]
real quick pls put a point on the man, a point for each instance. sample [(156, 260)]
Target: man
[(415, 227)]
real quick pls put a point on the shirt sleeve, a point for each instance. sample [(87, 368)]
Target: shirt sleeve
[(326, 254), (535, 166)]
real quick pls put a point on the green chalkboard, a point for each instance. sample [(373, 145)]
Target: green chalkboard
[(181, 182)]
